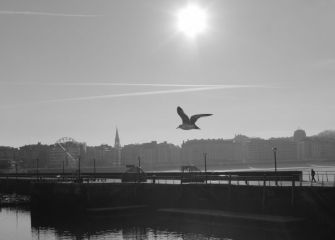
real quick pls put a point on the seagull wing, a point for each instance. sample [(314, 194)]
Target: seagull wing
[(194, 118), (183, 116)]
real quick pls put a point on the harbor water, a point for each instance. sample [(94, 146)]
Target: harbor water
[(25, 224)]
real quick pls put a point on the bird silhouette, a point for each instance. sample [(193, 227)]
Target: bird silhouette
[(189, 123)]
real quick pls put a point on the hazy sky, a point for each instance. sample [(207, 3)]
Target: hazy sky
[(58, 60)]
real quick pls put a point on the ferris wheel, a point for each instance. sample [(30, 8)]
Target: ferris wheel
[(63, 144)]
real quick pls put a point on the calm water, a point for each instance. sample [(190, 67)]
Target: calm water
[(23, 224)]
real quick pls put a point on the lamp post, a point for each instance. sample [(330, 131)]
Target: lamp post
[(205, 160), (275, 157), (274, 149)]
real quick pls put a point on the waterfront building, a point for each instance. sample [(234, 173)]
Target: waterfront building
[(152, 155), (299, 135), (316, 149), (130, 154), (241, 142), (7, 157), (240, 150), (219, 152), (103, 155), (286, 149), (259, 150), (33, 156), (168, 156)]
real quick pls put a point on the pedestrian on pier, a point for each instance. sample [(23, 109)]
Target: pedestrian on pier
[(313, 175)]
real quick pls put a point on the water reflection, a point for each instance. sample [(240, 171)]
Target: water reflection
[(28, 225), (148, 226)]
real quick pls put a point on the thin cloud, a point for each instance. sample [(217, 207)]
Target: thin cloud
[(131, 94), (50, 14)]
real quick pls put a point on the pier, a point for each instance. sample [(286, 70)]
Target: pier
[(270, 193)]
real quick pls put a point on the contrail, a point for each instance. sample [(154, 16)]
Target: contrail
[(51, 14), (131, 94), (129, 84)]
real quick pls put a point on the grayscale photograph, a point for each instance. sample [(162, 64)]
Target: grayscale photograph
[(167, 119)]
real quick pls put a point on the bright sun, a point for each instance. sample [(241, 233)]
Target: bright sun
[(192, 20)]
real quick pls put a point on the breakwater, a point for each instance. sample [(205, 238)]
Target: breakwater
[(312, 203)]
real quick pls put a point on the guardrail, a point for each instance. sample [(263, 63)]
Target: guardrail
[(168, 177)]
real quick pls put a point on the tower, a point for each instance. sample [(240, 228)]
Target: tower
[(299, 135), (117, 146), (117, 140)]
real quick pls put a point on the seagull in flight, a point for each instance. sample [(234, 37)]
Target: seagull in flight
[(189, 123)]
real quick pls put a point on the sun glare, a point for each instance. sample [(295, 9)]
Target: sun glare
[(192, 20)]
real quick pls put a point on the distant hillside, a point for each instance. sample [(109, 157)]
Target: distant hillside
[(327, 134)]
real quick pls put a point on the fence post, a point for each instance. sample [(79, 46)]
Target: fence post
[(292, 193)]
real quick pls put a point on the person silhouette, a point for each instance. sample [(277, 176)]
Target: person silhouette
[(313, 175)]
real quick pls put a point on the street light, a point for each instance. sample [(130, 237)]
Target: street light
[(275, 157), (205, 159)]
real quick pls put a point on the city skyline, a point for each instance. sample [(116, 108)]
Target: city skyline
[(240, 151), (327, 134), (263, 69)]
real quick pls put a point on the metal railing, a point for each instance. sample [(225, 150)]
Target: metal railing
[(280, 178)]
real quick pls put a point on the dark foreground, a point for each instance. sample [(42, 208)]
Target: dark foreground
[(26, 224), (136, 210)]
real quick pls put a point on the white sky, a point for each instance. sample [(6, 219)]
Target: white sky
[(283, 51)]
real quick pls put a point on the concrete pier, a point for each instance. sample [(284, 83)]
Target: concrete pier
[(312, 203)]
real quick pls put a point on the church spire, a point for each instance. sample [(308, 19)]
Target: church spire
[(117, 146), (117, 143)]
